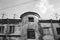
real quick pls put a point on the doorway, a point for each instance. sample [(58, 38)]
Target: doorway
[(30, 34)]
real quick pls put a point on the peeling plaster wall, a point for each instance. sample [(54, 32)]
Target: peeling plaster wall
[(29, 25)]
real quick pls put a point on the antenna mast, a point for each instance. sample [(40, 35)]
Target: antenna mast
[(3, 15), (14, 16), (56, 15)]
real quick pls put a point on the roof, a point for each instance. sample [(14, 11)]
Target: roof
[(16, 21), (49, 21), (30, 13), (9, 21)]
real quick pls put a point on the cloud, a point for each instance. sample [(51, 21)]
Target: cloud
[(46, 9)]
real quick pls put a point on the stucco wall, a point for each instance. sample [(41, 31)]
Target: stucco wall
[(29, 25)]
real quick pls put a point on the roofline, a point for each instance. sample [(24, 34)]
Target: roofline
[(30, 13), (10, 21), (49, 21), (16, 21)]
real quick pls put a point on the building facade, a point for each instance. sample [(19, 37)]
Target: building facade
[(29, 27)]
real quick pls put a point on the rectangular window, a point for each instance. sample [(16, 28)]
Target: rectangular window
[(46, 31), (1, 29), (30, 34), (11, 29), (58, 31), (31, 19)]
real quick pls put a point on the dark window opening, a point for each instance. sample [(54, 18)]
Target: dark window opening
[(31, 19), (11, 29), (1, 29), (30, 33), (58, 31)]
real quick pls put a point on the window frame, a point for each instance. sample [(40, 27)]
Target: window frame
[(57, 31), (46, 31), (29, 31), (30, 19), (2, 29), (11, 29)]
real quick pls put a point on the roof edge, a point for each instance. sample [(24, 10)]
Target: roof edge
[(30, 13)]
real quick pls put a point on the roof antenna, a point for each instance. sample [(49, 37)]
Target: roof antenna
[(14, 16), (56, 15), (3, 14)]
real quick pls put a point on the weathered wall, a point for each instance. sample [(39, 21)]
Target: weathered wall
[(21, 29), (47, 31), (29, 25), (56, 25)]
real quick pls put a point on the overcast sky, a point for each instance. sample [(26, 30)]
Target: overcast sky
[(45, 8)]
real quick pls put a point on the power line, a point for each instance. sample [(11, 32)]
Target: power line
[(18, 5)]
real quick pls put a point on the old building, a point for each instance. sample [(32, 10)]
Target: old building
[(29, 27)]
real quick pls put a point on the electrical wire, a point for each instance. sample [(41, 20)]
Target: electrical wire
[(18, 5)]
